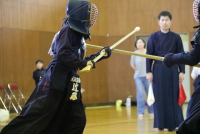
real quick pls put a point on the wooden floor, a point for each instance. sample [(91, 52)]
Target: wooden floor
[(113, 120)]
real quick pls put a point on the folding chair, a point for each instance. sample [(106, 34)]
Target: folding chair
[(14, 88), (6, 96)]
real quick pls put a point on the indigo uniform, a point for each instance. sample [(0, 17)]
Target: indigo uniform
[(167, 112), (55, 106), (38, 75), (191, 125)]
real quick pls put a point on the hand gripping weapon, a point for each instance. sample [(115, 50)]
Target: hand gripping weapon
[(103, 53), (133, 53)]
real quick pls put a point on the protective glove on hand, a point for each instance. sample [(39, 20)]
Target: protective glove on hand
[(167, 61), (91, 63), (90, 59), (108, 52)]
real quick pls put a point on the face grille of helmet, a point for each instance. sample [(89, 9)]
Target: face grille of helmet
[(196, 10), (93, 14)]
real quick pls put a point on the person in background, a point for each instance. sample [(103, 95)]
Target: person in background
[(165, 81), (39, 72), (138, 64)]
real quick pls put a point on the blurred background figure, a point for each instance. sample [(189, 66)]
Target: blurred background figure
[(39, 72), (139, 66), (196, 76)]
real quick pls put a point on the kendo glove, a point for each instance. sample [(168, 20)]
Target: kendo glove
[(92, 63), (108, 52), (93, 56), (167, 61)]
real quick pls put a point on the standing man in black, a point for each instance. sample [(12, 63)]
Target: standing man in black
[(165, 81), (39, 72)]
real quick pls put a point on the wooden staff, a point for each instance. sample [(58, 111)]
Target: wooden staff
[(103, 53), (133, 53)]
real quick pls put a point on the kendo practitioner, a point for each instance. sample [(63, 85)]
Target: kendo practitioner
[(55, 106), (165, 81), (39, 72), (191, 125)]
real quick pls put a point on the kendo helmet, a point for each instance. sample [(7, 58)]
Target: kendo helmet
[(81, 15), (196, 10)]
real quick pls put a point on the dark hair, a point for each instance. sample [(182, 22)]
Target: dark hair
[(165, 13), (142, 41), (38, 61)]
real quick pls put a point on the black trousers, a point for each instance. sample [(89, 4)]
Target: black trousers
[(48, 114)]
